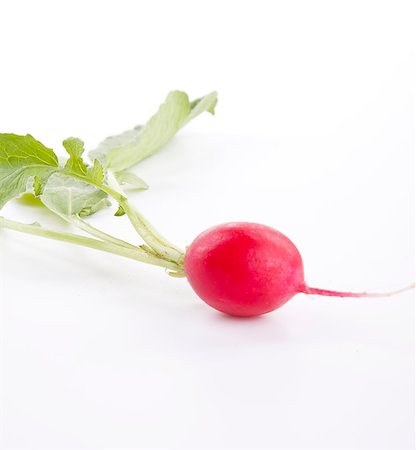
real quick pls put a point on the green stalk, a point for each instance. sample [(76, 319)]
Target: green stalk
[(160, 245), (143, 227), (150, 235), (88, 228), (136, 253)]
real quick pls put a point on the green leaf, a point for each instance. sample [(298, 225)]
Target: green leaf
[(200, 105), (23, 157), (96, 172), (27, 165), (124, 177), (120, 211), (37, 186), (127, 149), (69, 196), (76, 165), (75, 149)]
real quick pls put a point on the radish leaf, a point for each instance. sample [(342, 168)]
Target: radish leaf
[(96, 172), (69, 196), (132, 179), (75, 149), (21, 158), (127, 149), (120, 211), (76, 165)]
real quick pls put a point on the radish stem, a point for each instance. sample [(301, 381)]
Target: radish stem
[(136, 253), (88, 228), (148, 233)]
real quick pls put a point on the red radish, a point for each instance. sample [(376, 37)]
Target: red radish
[(242, 269), (247, 269)]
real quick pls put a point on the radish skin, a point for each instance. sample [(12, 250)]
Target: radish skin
[(247, 269)]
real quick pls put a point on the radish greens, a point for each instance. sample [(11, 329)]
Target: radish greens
[(78, 189)]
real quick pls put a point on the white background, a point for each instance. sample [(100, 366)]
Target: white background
[(313, 135)]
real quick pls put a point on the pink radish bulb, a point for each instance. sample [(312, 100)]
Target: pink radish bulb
[(247, 269)]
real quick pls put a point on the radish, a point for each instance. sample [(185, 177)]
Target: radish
[(247, 269), (242, 269)]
